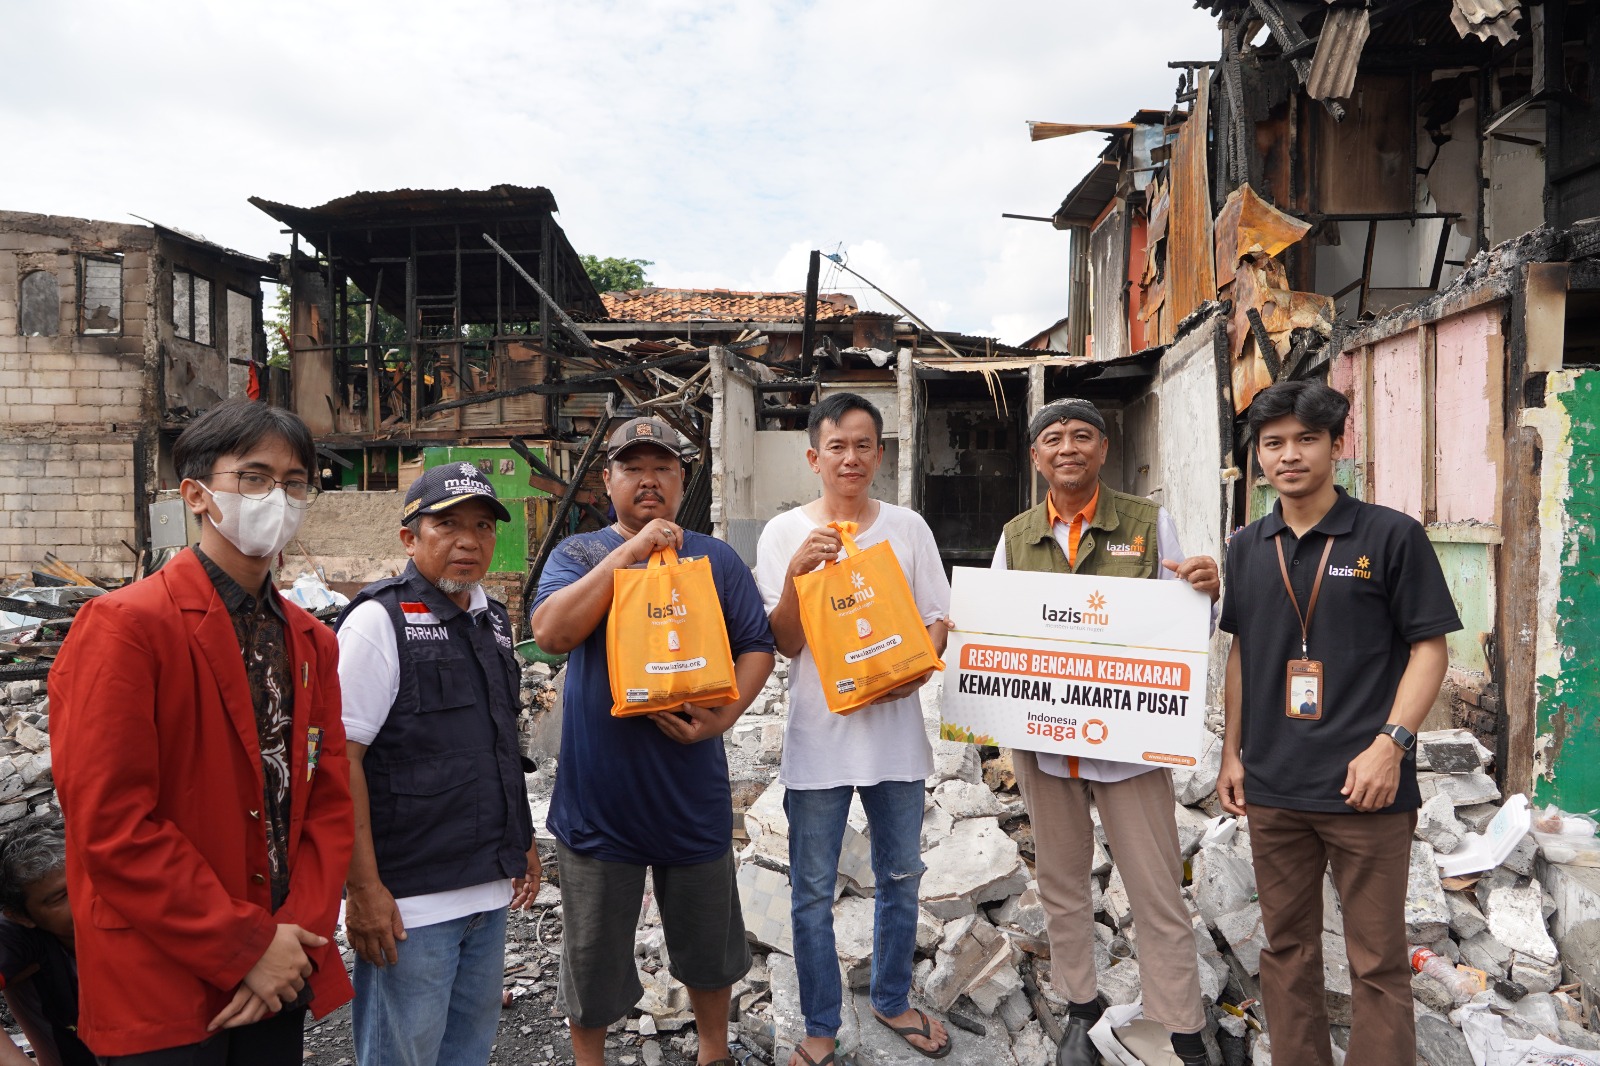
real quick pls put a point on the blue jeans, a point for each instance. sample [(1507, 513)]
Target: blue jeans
[(440, 1004), (817, 820)]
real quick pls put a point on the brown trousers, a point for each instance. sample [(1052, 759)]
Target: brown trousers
[(1370, 855), (1138, 819)]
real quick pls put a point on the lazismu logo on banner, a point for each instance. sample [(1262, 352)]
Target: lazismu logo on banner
[(1093, 615)]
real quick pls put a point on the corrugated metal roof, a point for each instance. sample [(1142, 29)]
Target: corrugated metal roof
[(1486, 19), (365, 229), (1333, 68), (414, 205), (243, 259), (1089, 197), (721, 305)]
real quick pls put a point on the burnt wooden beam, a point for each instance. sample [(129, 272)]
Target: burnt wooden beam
[(552, 534), (569, 385), (1264, 345), (566, 322), (808, 329)]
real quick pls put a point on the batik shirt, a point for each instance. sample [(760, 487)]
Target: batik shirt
[(258, 623)]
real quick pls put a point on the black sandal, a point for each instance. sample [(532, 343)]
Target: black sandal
[(925, 1030), (830, 1059)]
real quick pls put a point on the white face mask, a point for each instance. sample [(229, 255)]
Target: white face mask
[(258, 528)]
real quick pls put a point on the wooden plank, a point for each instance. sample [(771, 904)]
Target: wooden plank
[(1191, 274), (1517, 570)]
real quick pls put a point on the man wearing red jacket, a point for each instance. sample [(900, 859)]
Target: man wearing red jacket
[(199, 758)]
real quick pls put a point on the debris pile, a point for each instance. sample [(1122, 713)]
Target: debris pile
[(35, 614), (982, 951)]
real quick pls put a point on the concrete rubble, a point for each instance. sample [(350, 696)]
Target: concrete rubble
[(982, 925)]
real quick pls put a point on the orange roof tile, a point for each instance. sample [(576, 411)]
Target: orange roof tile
[(721, 305)]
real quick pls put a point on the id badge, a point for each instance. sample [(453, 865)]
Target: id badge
[(1302, 689)]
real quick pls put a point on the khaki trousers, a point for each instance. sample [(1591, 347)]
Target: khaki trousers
[(1370, 855), (1137, 815)]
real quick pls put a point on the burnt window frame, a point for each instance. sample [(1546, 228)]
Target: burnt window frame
[(84, 259), (55, 285), (211, 319)]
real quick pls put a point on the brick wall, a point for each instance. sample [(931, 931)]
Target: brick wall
[(72, 405), (72, 498)]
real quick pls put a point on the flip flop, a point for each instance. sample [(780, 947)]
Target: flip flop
[(832, 1058), (925, 1030)]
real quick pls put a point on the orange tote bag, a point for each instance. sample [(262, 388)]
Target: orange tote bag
[(862, 625), (666, 640)]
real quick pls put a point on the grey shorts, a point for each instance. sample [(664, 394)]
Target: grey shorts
[(600, 903)]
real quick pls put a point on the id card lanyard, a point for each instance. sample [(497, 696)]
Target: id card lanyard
[(1303, 695)]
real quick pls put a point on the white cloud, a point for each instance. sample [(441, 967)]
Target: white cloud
[(722, 140)]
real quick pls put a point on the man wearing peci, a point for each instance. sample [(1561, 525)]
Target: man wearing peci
[(1084, 527)]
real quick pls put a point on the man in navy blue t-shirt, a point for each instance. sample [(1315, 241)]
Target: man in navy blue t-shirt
[(646, 792)]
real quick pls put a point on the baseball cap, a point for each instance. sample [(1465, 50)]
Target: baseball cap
[(445, 486), (1065, 410), (647, 431)]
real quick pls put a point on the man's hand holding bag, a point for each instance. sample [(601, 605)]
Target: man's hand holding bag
[(666, 639), (862, 625)]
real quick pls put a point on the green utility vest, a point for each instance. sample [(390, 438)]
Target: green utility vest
[(1119, 542)]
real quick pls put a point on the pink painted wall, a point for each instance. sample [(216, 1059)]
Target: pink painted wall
[(1345, 375), (1467, 434), (1397, 425)]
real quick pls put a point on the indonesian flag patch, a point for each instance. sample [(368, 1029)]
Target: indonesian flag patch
[(417, 614)]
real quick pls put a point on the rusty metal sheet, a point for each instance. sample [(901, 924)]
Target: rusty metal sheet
[(1108, 259), (1247, 225), (1191, 272), (1260, 284), (1043, 131)]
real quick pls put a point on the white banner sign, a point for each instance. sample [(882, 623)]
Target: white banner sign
[(1098, 667)]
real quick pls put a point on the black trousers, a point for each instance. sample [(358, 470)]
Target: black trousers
[(275, 1041)]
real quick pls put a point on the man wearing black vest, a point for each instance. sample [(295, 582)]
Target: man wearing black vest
[(1086, 527), (444, 837)]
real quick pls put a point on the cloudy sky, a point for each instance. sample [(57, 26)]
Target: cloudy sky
[(722, 140)]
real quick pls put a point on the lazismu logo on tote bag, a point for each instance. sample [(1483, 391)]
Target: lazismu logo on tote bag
[(862, 625), (666, 640)]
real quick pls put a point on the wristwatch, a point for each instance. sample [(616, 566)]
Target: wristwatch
[(1400, 735)]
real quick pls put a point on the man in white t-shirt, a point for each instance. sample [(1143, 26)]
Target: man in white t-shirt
[(443, 833), (880, 752)]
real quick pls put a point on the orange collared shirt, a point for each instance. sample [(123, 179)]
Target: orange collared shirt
[(1074, 527)]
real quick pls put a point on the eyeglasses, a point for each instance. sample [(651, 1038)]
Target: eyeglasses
[(253, 486)]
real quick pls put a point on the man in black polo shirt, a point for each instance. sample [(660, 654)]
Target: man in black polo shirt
[(1347, 599)]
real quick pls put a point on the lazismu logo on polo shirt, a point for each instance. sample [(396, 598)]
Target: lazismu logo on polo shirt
[(1362, 569)]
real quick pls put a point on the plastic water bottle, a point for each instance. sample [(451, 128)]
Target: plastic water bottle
[(1461, 986)]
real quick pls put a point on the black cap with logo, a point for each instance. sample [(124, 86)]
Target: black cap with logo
[(444, 487), (648, 431)]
